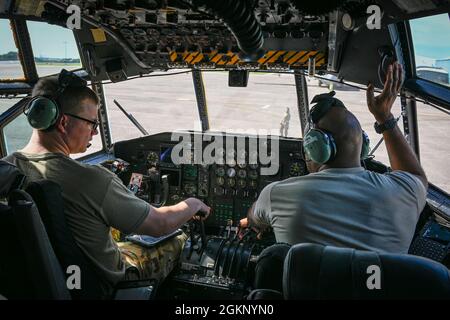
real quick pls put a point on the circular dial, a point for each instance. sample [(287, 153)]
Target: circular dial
[(253, 174), (152, 158), (220, 171), (231, 182), (242, 174), (242, 165), (296, 169), (231, 172), (203, 190), (190, 189), (220, 181), (231, 163), (242, 183)]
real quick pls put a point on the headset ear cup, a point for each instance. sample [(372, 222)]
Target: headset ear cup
[(42, 113), (365, 150), (319, 146)]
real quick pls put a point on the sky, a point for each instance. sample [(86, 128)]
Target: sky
[(431, 38), (48, 41)]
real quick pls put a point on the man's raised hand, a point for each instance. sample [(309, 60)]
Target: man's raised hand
[(381, 105)]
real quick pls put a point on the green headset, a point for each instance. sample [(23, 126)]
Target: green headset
[(43, 111), (319, 144)]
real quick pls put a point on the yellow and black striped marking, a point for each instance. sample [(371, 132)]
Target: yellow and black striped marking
[(291, 58)]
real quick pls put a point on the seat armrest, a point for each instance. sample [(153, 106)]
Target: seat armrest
[(135, 290)]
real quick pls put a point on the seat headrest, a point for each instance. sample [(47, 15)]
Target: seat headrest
[(314, 271), (10, 178)]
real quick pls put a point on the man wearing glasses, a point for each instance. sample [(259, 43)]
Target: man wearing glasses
[(63, 113)]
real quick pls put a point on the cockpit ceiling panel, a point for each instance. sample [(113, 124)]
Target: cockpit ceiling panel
[(272, 60)]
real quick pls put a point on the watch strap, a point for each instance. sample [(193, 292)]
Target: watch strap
[(387, 125)]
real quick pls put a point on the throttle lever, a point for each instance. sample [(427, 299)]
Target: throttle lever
[(165, 189), (202, 236)]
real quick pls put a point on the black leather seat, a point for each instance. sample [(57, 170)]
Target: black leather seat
[(47, 196), (41, 247), (314, 271), (29, 268)]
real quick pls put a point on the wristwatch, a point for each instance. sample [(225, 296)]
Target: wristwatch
[(387, 125)]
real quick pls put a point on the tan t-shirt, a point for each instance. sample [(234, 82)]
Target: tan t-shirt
[(94, 200)]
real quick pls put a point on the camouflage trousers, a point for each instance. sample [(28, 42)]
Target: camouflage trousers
[(151, 263)]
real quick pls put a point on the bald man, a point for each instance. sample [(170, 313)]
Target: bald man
[(341, 204)]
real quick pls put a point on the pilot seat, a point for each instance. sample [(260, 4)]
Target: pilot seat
[(313, 272), (38, 248)]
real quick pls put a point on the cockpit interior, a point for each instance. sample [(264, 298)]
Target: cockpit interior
[(147, 59)]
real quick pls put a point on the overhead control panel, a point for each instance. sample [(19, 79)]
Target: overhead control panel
[(173, 34), (204, 34)]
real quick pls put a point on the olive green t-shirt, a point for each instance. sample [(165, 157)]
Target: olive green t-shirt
[(94, 201)]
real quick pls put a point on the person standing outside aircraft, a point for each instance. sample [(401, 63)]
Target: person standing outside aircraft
[(284, 124)]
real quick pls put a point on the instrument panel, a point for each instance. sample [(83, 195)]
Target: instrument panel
[(228, 177)]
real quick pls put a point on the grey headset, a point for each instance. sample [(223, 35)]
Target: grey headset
[(43, 111)]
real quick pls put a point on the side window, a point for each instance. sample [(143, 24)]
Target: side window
[(16, 133), (6, 103), (434, 129), (10, 66), (51, 54), (431, 39)]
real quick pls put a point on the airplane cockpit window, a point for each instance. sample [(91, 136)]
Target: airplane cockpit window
[(10, 66), (269, 102), (434, 129), (55, 52), (153, 101), (5, 104), (16, 134), (431, 39)]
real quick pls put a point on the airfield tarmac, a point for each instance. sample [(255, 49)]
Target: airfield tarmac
[(167, 103)]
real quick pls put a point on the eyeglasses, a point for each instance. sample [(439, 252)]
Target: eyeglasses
[(93, 123)]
